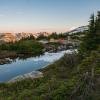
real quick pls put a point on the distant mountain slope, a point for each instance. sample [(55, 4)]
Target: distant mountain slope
[(11, 37), (79, 29)]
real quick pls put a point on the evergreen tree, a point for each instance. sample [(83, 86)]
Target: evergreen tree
[(92, 39), (92, 24), (97, 23)]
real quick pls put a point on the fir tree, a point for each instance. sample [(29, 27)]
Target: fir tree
[(92, 39)]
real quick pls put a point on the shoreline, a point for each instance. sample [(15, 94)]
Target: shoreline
[(7, 57), (32, 75), (38, 73)]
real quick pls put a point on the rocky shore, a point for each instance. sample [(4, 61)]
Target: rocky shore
[(5, 61), (9, 56), (32, 75)]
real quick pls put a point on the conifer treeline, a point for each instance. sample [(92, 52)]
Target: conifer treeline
[(92, 39)]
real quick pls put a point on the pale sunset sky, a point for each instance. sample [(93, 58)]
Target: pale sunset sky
[(45, 15)]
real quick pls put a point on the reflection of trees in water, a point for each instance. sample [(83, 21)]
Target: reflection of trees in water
[(9, 60), (25, 57)]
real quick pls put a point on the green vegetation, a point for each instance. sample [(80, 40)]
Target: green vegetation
[(52, 36), (57, 36), (92, 39), (78, 35), (24, 46), (41, 37), (70, 78)]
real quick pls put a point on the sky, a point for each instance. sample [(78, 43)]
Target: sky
[(45, 15)]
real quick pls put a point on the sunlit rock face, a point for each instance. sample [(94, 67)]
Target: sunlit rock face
[(7, 37), (79, 29), (19, 36), (11, 37)]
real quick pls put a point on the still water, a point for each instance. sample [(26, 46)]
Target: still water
[(20, 67)]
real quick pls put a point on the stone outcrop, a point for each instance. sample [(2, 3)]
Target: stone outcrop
[(7, 37)]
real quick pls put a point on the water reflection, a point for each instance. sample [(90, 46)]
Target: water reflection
[(26, 65)]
